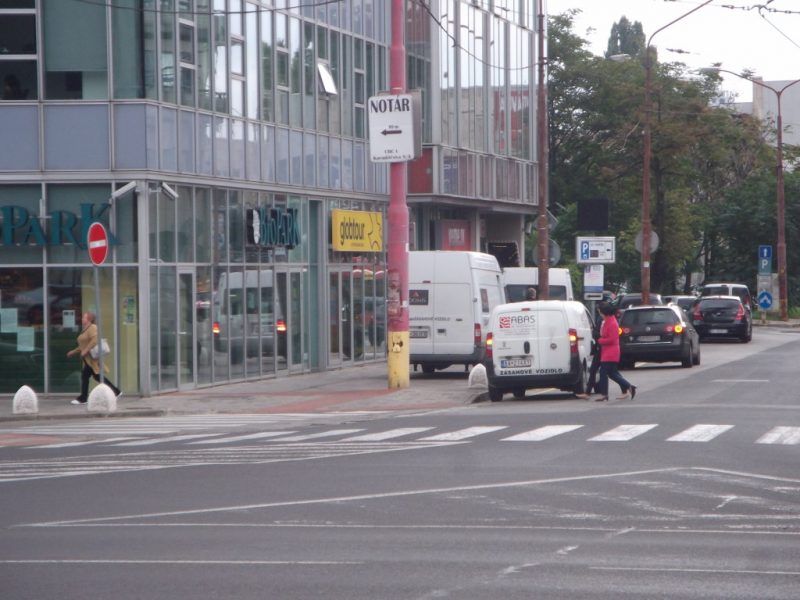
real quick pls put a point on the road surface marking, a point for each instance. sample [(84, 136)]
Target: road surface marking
[(84, 443), (781, 435), (386, 435), (700, 433), (314, 436), (542, 433), (240, 438), (462, 434), (162, 440), (623, 433)]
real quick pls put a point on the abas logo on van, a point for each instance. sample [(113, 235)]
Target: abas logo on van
[(509, 321)]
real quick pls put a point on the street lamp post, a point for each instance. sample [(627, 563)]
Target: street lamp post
[(783, 284), (647, 153)]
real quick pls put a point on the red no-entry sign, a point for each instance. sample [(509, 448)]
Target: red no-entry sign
[(97, 241)]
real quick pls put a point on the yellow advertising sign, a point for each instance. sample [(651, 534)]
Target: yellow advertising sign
[(357, 231)]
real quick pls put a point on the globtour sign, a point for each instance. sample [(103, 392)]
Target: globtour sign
[(20, 227)]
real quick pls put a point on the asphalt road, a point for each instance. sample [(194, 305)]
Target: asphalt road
[(691, 491)]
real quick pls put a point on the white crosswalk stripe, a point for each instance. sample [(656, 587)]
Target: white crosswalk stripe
[(700, 433), (781, 435), (241, 438), (320, 434), (387, 435), (462, 434), (623, 433), (542, 433), (163, 440), (84, 443)]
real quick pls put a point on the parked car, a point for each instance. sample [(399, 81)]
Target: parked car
[(685, 302), (658, 334), (739, 290), (546, 343), (722, 316)]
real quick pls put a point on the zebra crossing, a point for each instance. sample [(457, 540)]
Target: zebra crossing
[(199, 431)]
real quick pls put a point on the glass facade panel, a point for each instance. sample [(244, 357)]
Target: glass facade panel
[(252, 152), (185, 227), (204, 61), (266, 66), (296, 157), (205, 144), (221, 142), (25, 244), (268, 153), (251, 62), (203, 317), (282, 155), (128, 52), (295, 74), (72, 208), (75, 50), (322, 160), (169, 139), (168, 64), (202, 223), (220, 58), (168, 322), (166, 228), (309, 159), (186, 131), (237, 149), (22, 334)]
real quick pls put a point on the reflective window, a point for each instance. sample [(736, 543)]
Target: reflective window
[(22, 307), (72, 208), (22, 245), (75, 50)]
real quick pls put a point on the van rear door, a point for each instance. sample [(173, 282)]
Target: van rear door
[(552, 341), (454, 319)]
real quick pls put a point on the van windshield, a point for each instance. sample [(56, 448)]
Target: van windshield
[(515, 292)]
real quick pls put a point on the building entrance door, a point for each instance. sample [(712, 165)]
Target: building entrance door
[(290, 290), (187, 330)]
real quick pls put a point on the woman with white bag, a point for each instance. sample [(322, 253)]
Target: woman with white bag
[(87, 340)]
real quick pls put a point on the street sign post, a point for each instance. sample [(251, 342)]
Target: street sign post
[(97, 243), (394, 127), (595, 250)]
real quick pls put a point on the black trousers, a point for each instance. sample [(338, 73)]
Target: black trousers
[(609, 370), (86, 374)]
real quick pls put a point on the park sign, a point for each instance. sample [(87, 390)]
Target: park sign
[(97, 242), (395, 127)]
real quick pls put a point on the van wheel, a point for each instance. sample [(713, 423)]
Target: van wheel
[(495, 394), (519, 393), (583, 382)]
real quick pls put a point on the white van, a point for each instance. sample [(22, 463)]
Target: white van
[(451, 295), (545, 343), (245, 307), (517, 280)]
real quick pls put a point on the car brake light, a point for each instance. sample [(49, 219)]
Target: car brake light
[(489, 343), (698, 316), (476, 334), (280, 325), (624, 330), (573, 341), (739, 313), (215, 328)]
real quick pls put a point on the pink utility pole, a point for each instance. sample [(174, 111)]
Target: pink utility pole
[(397, 261)]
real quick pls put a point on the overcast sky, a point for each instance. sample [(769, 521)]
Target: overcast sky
[(766, 42)]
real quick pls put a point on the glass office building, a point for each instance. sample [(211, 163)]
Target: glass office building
[(224, 145)]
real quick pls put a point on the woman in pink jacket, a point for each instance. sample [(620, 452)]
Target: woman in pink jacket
[(609, 356)]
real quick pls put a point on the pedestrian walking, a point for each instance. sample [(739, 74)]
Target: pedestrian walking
[(609, 356), (90, 367)]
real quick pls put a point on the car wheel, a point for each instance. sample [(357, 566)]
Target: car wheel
[(495, 394), (519, 393), (583, 381), (696, 360), (687, 360), (748, 336)]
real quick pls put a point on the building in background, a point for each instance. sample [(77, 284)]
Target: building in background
[(224, 144)]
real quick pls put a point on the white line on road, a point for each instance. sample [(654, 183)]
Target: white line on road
[(542, 433), (740, 381), (462, 434), (240, 438), (691, 570), (171, 438), (386, 435), (623, 433), (84, 443), (314, 436), (133, 561), (781, 435), (700, 433)]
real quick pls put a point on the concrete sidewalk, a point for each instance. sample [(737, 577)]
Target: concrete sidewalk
[(362, 388)]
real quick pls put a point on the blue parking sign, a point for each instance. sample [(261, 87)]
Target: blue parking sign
[(765, 251), (764, 300), (584, 250)]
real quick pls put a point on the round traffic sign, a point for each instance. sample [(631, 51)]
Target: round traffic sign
[(764, 300), (97, 242)]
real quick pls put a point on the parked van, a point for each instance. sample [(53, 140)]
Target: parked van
[(545, 343), (246, 307), (451, 295), (516, 281)]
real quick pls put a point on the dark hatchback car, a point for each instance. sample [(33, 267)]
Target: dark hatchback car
[(722, 316), (657, 334)]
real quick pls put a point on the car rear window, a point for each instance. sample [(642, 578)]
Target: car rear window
[(718, 303), (648, 317)]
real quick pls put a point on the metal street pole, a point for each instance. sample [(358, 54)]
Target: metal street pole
[(647, 226), (783, 283), (543, 234), (397, 260)]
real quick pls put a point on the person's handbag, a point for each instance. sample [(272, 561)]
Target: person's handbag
[(98, 348)]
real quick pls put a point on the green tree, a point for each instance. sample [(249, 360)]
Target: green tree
[(626, 38)]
